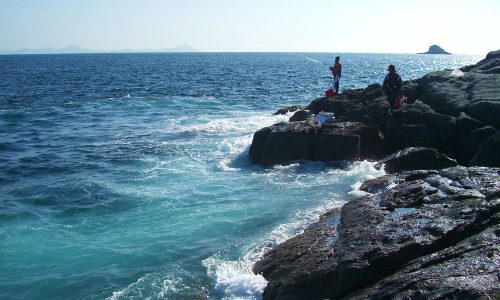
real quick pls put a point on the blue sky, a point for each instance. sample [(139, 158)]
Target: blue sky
[(383, 26)]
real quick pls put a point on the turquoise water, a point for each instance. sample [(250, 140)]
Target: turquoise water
[(127, 176)]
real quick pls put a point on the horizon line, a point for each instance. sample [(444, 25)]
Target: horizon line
[(130, 51)]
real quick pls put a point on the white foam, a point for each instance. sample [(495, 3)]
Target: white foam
[(236, 124), (457, 73), (365, 170), (156, 286), (235, 279)]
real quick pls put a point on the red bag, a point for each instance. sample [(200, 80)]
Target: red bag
[(330, 92), (397, 102)]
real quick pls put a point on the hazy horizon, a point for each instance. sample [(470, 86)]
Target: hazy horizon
[(75, 49), (356, 26)]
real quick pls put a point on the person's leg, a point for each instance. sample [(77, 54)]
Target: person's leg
[(391, 98), (336, 80)]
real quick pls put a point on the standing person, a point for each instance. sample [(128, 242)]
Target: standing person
[(392, 86), (336, 72)]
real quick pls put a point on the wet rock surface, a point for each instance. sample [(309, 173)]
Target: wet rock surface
[(418, 234), (288, 141), (415, 159)]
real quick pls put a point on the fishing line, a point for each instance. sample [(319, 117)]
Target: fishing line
[(324, 67), (299, 54)]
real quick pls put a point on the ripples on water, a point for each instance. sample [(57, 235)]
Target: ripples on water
[(127, 175)]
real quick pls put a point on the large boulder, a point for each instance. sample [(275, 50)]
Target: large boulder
[(284, 142), (419, 234), (415, 159)]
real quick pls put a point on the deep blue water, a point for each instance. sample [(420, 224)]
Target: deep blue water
[(127, 176)]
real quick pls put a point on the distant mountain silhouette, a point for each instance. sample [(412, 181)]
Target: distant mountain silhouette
[(77, 49), (435, 49)]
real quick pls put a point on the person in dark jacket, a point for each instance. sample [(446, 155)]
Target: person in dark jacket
[(392, 86), (336, 72)]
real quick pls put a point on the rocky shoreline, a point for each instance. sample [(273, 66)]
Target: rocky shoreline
[(428, 229)]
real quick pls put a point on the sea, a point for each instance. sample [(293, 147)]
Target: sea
[(127, 176)]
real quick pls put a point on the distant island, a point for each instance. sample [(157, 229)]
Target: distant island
[(73, 49), (435, 49)]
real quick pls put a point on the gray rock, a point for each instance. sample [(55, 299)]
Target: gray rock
[(335, 104), (415, 159), (488, 152), (258, 144), (284, 142), (333, 146), (444, 131), (470, 143), (453, 91), (302, 115), (487, 111), (411, 89), (444, 92), (372, 91), (465, 124), (424, 233), (493, 55), (468, 270)]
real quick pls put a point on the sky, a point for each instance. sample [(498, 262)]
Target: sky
[(383, 26)]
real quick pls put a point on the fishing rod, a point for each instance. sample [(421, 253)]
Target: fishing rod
[(326, 68), (299, 54)]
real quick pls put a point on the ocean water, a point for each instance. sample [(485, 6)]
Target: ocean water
[(127, 176)]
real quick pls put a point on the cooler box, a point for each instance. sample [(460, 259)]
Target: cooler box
[(325, 117)]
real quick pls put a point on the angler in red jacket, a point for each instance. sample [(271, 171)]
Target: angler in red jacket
[(336, 72)]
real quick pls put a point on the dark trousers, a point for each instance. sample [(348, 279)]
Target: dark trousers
[(391, 97)]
